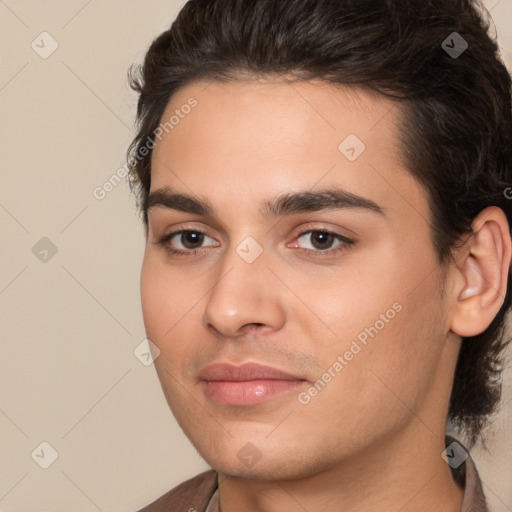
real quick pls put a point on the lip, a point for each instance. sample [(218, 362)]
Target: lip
[(244, 372), (247, 384)]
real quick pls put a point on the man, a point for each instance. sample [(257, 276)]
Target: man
[(323, 185)]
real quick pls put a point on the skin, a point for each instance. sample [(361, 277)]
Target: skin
[(373, 437)]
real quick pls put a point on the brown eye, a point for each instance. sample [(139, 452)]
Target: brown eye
[(322, 242), (321, 239), (186, 242), (190, 239)]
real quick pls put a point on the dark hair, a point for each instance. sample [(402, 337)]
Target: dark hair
[(456, 121)]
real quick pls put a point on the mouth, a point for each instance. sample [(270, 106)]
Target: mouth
[(247, 384)]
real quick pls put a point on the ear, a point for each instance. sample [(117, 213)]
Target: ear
[(483, 265)]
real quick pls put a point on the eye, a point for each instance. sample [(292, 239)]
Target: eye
[(322, 241), (185, 242)]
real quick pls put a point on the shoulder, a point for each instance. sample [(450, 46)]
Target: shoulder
[(192, 495)]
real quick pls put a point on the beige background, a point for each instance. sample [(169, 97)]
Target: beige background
[(69, 325)]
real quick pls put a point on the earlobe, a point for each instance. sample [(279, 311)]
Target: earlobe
[(484, 268)]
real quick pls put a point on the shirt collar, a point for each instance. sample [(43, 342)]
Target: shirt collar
[(467, 477), (213, 505)]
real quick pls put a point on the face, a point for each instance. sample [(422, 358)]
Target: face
[(294, 295)]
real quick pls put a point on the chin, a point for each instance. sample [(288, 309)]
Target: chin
[(269, 470), (276, 462)]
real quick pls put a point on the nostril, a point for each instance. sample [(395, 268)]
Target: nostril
[(255, 326)]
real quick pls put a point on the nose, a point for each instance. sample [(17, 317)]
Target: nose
[(246, 297)]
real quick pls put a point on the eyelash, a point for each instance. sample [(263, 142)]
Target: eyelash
[(346, 243)]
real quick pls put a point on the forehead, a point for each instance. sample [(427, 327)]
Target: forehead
[(278, 109), (272, 136)]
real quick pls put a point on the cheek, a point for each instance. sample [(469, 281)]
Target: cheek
[(163, 300), (171, 305), (388, 327), (153, 298), (401, 359), (346, 301)]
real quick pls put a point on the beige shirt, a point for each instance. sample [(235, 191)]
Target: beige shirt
[(200, 493)]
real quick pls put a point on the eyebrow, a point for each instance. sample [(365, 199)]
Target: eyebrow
[(287, 204)]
